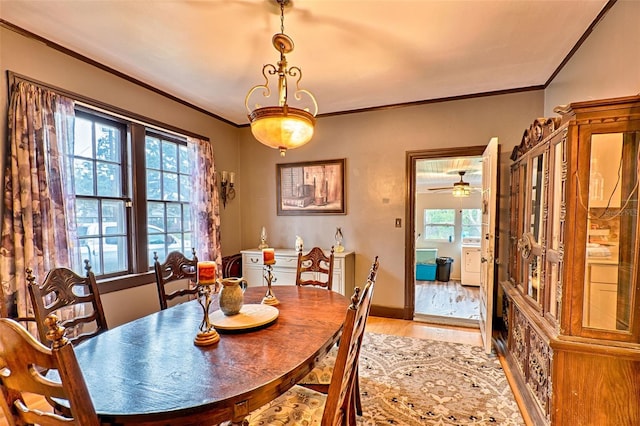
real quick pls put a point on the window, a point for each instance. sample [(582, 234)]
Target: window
[(439, 224), (168, 194), (107, 208), (100, 185), (471, 223)]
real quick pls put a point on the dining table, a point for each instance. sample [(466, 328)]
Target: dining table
[(150, 372)]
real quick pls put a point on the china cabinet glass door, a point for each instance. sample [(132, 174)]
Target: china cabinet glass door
[(611, 203), (533, 239), (557, 213)]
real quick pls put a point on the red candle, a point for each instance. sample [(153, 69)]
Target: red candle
[(268, 256), (206, 272)]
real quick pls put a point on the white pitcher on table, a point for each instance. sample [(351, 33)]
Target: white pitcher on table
[(231, 297)]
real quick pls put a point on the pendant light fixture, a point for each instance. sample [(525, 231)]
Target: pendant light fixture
[(282, 126), (462, 188)]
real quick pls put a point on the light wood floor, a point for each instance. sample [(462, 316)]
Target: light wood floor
[(397, 327), (447, 299), (462, 335)]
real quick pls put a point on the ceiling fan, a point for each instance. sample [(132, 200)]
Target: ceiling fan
[(459, 189)]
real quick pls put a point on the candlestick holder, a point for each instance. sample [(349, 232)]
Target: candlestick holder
[(269, 298), (207, 334)]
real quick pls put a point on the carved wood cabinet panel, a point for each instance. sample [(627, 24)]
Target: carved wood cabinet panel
[(571, 304)]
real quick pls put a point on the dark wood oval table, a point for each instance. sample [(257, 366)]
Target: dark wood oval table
[(149, 372)]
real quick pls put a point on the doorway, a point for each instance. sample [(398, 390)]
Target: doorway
[(443, 235)]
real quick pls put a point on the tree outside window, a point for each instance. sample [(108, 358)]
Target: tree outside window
[(471, 223), (439, 224)]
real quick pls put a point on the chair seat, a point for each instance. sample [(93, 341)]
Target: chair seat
[(297, 406), (321, 373)]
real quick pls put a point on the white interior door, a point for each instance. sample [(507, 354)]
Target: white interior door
[(488, 240)]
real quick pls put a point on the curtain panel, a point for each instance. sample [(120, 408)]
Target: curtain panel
[(38, 223), (205, 205)]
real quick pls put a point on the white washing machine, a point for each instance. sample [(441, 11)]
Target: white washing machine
[(470, 269)]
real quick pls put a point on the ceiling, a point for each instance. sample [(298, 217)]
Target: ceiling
[(354, 54), (439, 175)]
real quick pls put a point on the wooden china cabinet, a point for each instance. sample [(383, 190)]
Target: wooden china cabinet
[(571, 305)]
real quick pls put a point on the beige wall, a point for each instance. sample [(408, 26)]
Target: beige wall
[(607, 65), (374, 145)]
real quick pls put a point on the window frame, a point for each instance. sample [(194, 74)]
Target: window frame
[(184, 204), (124, 185), (452, 225)]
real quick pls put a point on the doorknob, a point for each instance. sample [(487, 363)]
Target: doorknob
[(483, 260)]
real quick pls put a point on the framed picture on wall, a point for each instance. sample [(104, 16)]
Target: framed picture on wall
[(310, 188)]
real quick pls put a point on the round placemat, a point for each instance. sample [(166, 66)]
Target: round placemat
[(250, 316)]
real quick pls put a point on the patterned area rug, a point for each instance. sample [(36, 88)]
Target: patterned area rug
[(409, 381)]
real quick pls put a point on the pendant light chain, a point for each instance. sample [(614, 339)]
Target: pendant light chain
[(282, 16)]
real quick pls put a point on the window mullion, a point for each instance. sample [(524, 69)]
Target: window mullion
[(139, 198)]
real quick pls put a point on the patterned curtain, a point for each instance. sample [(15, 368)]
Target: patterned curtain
[(205, 207), (38, 223)]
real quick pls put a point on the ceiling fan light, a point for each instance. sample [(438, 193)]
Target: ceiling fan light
[(461, 190)]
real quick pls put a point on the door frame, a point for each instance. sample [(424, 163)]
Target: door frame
[(410, 219)]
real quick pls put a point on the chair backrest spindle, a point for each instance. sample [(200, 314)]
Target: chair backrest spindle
[(70, 296), (175, 267), (318, 263)]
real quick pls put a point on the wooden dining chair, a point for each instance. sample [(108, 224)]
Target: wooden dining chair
[(319, 378), (176, 267), (301, 405), (73, 298), (315, 262), (23, 363)]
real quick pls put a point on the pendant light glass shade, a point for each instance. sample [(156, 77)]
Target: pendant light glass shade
[(282, 127)]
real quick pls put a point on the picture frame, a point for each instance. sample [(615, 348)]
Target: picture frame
[(311, 188)]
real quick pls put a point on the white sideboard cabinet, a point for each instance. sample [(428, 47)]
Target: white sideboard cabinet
[(284, 269)]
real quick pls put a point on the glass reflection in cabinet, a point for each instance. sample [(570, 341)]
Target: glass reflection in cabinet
[(522, 264), (554, 251), (612, 207), (536, 209)]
